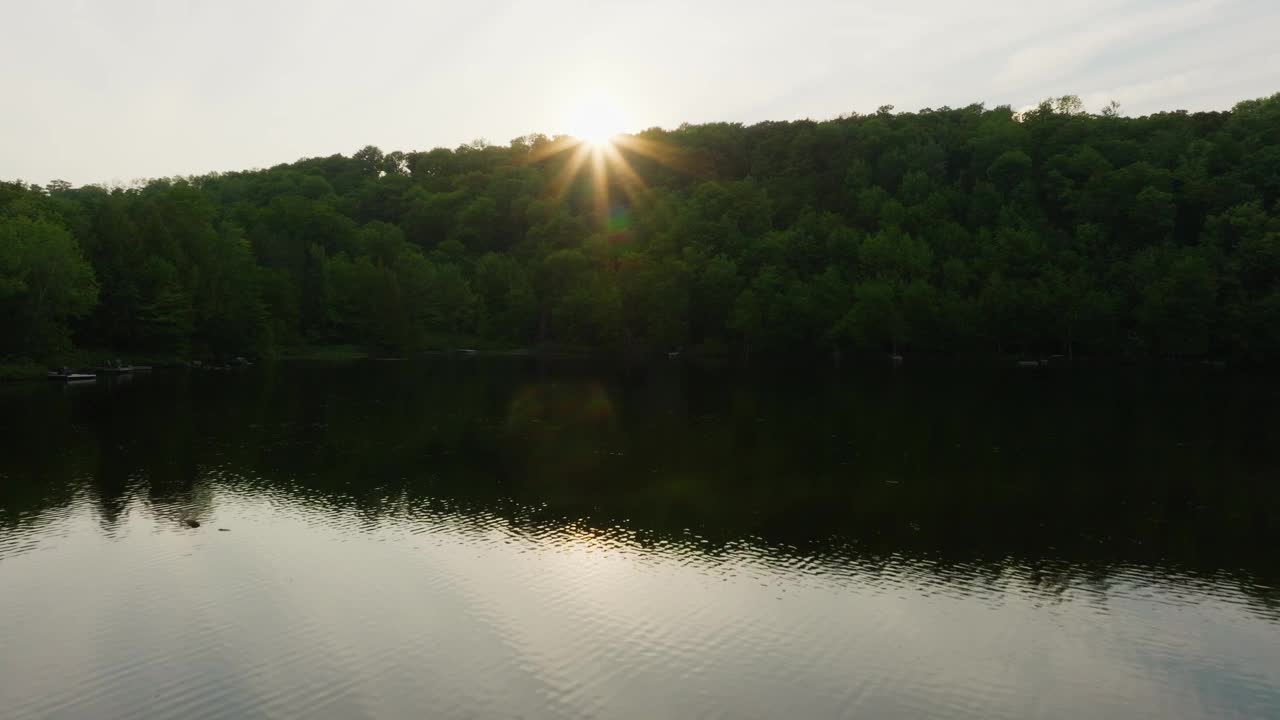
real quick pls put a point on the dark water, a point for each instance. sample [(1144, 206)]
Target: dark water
[(494, 538)]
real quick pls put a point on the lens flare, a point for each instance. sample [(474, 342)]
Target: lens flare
[(597, 147)]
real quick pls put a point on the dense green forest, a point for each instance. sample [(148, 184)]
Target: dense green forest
[(969, 230)]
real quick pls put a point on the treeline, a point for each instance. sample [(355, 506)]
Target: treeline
[(954, 230)]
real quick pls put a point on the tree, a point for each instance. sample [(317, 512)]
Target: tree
[(509, 305), (1153, 213), (230, 317), (747, 319), (1176, 309), (1050, 230), (716, 285), (1010, 171), (45, 282), (876, 317), (437, 296)]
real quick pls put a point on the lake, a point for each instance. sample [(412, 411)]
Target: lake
[(508, 538)]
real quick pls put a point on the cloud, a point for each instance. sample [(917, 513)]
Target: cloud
[(141, 88), (1063, 53)]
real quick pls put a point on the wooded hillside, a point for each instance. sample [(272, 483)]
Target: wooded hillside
[(956, 230)]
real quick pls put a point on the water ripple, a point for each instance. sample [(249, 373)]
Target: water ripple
[(457, 562)]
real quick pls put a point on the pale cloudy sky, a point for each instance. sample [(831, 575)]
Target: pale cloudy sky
[(113, 90)]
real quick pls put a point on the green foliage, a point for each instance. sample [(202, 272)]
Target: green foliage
[(1052, 230), (508, 305), (45, 282)]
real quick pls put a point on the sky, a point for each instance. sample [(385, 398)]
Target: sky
[(98, 91)]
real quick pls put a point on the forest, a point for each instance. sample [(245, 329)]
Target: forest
[(955, 231)]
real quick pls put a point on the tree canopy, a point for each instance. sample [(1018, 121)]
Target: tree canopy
[(953, 230)]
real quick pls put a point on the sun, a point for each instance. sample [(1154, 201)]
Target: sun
[(597, 120), (598, 144)]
